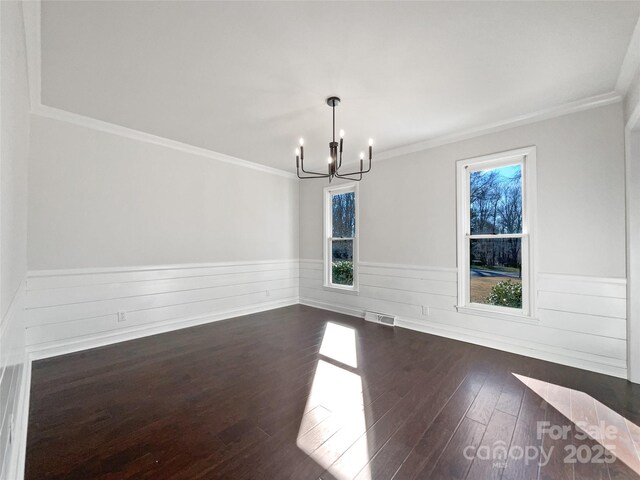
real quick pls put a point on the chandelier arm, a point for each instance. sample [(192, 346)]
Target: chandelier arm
[(368, 169), (354, 179), (359, 172), (316, 175), (349, 175), (309, 172)]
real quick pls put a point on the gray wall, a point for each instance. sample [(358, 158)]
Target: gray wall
[(632, 98), (408, 243), (632, 132), (102, 200), (15, 145), (14, 138), (408, 203)]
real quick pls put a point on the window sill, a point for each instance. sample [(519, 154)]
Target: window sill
[(347, 290), (515, 317)]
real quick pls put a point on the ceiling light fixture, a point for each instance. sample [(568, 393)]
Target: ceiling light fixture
[(335, 158)]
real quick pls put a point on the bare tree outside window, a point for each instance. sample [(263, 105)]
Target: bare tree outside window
[(496, 211)]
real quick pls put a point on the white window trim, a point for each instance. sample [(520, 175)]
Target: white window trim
[(328, 192), (527, 157)]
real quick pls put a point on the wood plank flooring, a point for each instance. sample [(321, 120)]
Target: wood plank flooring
[(302, 393)]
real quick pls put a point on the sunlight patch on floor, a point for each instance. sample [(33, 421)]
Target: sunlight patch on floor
[(338, 389), (618, 435), (339, 344)]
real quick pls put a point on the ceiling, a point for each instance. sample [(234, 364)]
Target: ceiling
[(248, 79)]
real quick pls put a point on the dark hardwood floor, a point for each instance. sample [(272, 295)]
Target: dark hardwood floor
[(303, 393)]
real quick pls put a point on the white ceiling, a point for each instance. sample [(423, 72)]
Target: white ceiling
[(248, 79)]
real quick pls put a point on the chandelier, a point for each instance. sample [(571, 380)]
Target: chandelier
[(335, 155)]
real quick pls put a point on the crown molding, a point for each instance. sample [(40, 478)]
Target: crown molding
[(630, 64), (477, 131), (99, 125), (32, 24), (32, 14), (95, 124)]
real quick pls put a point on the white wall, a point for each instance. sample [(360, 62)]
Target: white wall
[(70, 310), (408, 218), (14, 140)]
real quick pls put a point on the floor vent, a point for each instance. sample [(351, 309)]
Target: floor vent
[(382, 318)]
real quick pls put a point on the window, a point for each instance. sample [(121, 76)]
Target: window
[(341, 237), (495, 233)]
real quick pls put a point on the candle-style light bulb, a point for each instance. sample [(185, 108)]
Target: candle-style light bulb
[(297, 152), (341, 133), (361, 155), (301, 141), (371, 142)]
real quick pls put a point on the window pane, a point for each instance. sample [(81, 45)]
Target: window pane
[(496, 200), (496, 272), (342, 262), (343, 215)]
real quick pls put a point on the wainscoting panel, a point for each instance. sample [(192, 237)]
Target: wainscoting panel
[(13, 383), (74, 309), (581, 321)]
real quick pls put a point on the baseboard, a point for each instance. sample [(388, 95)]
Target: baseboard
[(503, 344), (332, 308), (53, 349), (499, 343), (18, 460)]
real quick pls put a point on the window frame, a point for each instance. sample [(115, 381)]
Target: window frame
[(329, 192), (526, 157)]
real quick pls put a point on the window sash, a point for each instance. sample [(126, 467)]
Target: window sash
[(524, 266), (330, 262), (330, 192), (525, 279), (482, 167), (526, 159), (489, 236)]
